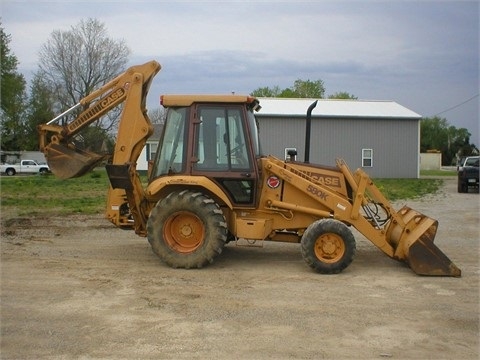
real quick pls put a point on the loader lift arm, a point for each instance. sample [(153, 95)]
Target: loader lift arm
[(406, 235), (67, 161)]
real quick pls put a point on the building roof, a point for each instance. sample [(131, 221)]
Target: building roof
[(335, 108)]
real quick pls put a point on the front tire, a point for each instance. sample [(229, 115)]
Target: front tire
[(187, 229), (328, 246), (462, 187)]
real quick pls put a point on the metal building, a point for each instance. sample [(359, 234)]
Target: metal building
[(381, 137)]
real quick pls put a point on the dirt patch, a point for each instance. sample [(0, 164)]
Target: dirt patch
[(77, 287)]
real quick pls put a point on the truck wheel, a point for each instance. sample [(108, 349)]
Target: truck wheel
[(328, 246), (462, 187), (187, 229), (43, 171), (10, 172)]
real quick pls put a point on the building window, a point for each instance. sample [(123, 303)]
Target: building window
[(147, 152), (290, 154), (150, 151), (367, 157)]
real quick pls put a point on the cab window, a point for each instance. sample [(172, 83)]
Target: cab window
[(220, 140), (171, 156)]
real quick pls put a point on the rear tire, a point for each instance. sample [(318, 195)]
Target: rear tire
[(10, 172), (328, 246), (187, 230)]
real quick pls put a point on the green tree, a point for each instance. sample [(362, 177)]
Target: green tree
[(12, 99), (288, 93), (309, 89), (267, 92), (39, 110), (437, 134), (432, 133), (342, 95), (301, 89)]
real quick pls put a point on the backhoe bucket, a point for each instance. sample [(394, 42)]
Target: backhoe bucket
[(413, 243), (66, 162)]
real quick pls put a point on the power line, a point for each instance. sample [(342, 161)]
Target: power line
[(458, 105)]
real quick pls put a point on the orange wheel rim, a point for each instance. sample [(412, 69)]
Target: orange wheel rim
[(329, 248), (184, 232)]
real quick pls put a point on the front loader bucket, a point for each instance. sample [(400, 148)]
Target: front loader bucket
[(66, 162), (413, 243)]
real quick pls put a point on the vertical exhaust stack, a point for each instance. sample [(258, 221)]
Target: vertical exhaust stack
[(308, 131)]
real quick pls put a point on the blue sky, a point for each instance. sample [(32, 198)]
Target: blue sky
[(422, 54)]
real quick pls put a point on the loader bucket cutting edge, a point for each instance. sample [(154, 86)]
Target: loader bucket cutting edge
[(66, 163), (417, 249), (425, 258)]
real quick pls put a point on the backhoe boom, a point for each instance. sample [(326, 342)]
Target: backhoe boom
[(67, 161)]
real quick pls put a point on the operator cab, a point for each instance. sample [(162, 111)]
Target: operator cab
[(211, 136)]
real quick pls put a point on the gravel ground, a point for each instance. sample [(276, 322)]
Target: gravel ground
[(78, 288)]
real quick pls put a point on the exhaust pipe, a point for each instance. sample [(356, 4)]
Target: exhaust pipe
[(308, 131)]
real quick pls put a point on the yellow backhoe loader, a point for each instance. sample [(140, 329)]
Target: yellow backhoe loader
[(210, 184)]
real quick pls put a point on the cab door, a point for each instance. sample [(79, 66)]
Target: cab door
[(29, 166), (223, 151)]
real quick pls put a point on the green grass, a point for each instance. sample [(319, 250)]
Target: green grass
[(48, 195), (400, 189)]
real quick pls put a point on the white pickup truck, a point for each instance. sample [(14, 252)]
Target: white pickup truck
[(24, 167)]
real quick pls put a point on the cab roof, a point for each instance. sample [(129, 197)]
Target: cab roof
[(188, 100)]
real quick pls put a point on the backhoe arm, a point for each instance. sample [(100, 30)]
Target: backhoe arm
[(56, 140), (67, 161)]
